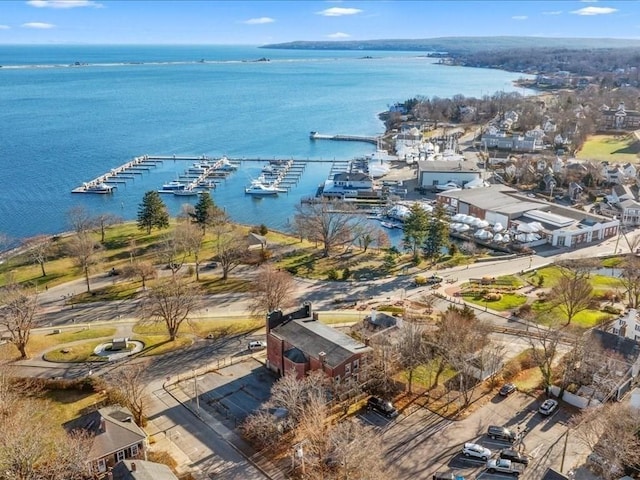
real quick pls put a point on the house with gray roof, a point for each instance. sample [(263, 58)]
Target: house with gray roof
[(297, 342), (115, 437)]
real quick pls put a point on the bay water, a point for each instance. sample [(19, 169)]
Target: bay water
[(69, 114)]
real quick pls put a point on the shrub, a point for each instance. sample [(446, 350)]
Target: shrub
[(292, 270), (263, 230), (511, 369), (346, 273), (540, 281), (419, 280), (524, 310), (493, 297), (332, 274)]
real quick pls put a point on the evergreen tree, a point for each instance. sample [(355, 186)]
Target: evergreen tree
[(415, 229), (152, 212), (437, 233), (206, 212)]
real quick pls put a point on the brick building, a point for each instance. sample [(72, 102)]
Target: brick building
[(298, 342)]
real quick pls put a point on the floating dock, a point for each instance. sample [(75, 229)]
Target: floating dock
[(105, 183)]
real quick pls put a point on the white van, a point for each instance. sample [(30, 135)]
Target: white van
[(257, 345)]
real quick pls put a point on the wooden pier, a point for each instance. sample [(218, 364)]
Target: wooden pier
[(105, 183)]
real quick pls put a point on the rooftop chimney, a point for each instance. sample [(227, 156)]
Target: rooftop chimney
[(103, 425), (322, 356), (133, 466)]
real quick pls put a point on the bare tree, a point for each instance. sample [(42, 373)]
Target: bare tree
[(329, 222), (84, 250), (232, 251), (17, 315), (612, 433), (413, 349), (142, 270), (294, 394), (172, 302), (80, 220), (173, 250), (271, 289), (630, 279), (191, 236), (262, 428), (129, 388), (354, 445), (573, 292), (104, 220), (381, 366), (39, 250), (544, 349)]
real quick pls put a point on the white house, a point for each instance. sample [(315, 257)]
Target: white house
[(620, 193), (613, 174), (348, 184), (434, 173), (629, 170), (630, 213)]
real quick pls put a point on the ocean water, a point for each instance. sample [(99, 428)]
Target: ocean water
[(63, 124)]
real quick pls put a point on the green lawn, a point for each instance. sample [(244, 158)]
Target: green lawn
[(75, 354), (613, 148), (509, 301), (424, 375), (585, 319)]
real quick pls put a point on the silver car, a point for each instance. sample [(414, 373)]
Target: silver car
[(476, 451)]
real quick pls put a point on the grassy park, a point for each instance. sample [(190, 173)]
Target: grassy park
[(611, 148)]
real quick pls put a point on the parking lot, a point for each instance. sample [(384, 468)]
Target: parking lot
[(421, 442)]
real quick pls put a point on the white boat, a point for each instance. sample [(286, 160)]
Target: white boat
[(187, 192), (225, 165), (448, 186), (258, 187), (172, 186), (99, 188)]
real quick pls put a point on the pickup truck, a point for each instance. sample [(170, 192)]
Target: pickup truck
[(503, 465)]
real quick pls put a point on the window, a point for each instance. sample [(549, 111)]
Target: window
[(347, 369), (102, 465), (637, 327), (356, 364), (337, 379), (134, 450), (120, 456)]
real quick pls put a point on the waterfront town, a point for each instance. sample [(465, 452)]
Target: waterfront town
[(496, 334)]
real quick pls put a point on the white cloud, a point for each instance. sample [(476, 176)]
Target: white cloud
[(553, 12), (338, 35), (519, 17), (4, 27), (63, 3), (259, 21), (38, 25), (589, 11), (338, 12)]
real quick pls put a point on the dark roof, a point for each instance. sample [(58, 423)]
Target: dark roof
[(350, 177), (143, 471), (112, 428), (313, 338), (551, 474), (382, 320), (626, 347)]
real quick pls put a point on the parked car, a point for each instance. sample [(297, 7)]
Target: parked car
[(501, 433), (507, 389), (476, 451), (446, 476), (502, 465), (211, 265), (434, 280), (382, 406), (548, 407), (256, 345), (514, 456)]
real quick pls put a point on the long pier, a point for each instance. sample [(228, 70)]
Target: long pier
[(108, 182), (346, 138)]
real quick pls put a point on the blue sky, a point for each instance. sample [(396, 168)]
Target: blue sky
[(259, 22)]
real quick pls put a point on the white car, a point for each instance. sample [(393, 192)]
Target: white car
[(548, 407), (256, 345), (477, 451)]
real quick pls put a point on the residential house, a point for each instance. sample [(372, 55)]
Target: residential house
[(627, 326), (623, 365), (549, 182), (558, 165), (575, 190), (629, 170), (620, 193), (613, 174), (141, 470), (630, 213), (297, 342), (549, 126), (115, 437), (619, 119)]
